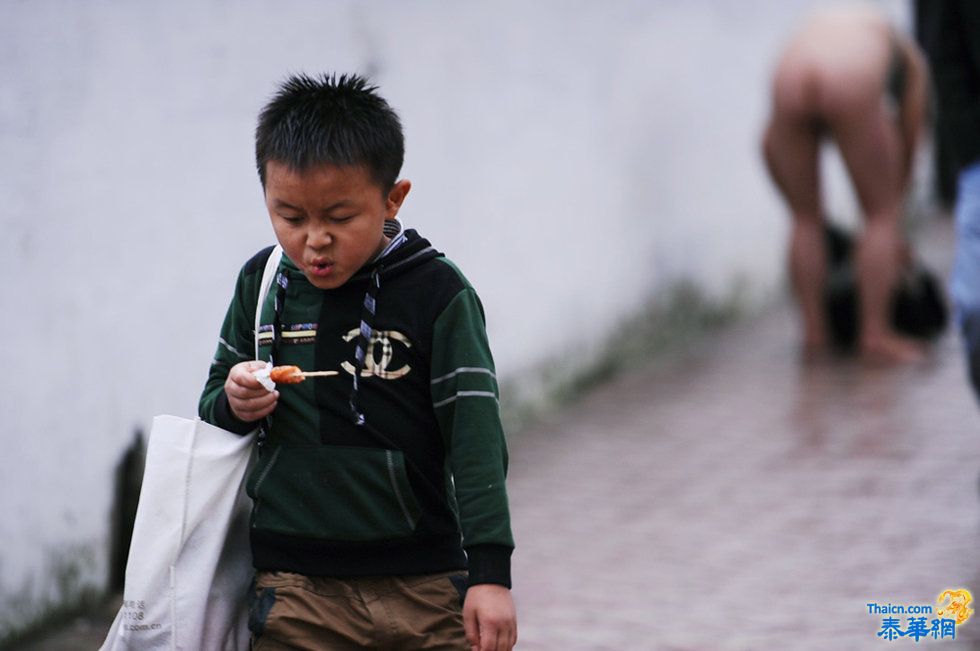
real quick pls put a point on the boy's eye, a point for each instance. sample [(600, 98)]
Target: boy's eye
[(341, 220), (290, 218)]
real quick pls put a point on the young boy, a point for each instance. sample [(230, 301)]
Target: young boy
[(371, 482)]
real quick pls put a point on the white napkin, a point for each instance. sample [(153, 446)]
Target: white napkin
[(262, 375)]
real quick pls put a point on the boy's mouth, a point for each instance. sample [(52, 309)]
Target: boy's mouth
[(321, 268)]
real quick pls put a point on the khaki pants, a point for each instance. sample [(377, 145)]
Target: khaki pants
[(292, 611)]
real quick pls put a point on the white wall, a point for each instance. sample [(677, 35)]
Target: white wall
[(572, 157)]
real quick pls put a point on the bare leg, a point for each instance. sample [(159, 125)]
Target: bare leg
[(871, 145), (791, 147)]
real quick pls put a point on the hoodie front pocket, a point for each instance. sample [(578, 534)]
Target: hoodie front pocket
[(337, 493)]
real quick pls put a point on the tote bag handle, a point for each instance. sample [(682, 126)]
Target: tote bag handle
[(268, 275)]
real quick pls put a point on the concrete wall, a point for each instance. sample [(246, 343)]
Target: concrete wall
[(575, 158)]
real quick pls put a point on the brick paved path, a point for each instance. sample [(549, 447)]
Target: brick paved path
[(735, 499)]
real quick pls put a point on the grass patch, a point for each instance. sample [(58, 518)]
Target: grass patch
[(661, 329), (26, 615)]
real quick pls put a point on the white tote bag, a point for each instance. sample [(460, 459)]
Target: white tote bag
[(190, 566)]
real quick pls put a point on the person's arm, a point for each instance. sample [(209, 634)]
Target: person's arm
[(466, 402), (914, 105), (228, 376)]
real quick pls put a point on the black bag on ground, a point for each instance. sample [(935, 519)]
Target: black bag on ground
[(918, 306)]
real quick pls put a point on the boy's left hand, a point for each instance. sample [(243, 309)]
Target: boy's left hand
[(489, 618)]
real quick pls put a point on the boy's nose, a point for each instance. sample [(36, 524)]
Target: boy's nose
[(318, 238)]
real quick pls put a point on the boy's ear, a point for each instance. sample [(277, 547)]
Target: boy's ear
[(396, 196)]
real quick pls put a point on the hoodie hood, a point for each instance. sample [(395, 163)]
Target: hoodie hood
[(406, 251)]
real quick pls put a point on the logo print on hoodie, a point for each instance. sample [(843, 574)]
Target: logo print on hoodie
[(375, 366)]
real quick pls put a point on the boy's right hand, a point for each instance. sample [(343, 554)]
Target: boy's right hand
[(249, 400)]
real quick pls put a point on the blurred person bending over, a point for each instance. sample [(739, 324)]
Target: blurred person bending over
[(849, 76), (950, 33)]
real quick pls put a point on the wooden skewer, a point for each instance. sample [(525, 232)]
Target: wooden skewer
[(293, 375)]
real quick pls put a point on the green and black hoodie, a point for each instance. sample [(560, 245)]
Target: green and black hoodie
[(393, 474)]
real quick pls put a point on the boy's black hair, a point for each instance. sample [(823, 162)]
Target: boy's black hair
[(330, 120)]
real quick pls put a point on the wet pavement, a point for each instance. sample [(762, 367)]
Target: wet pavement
[(733, 498)]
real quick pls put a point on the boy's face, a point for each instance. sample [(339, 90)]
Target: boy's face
[(329, 219)]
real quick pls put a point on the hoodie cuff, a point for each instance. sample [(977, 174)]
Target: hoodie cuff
[(225, 419), (489, 564)]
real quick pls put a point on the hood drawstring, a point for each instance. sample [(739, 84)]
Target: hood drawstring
[(282, 284), (368, 312), (364, 337)]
